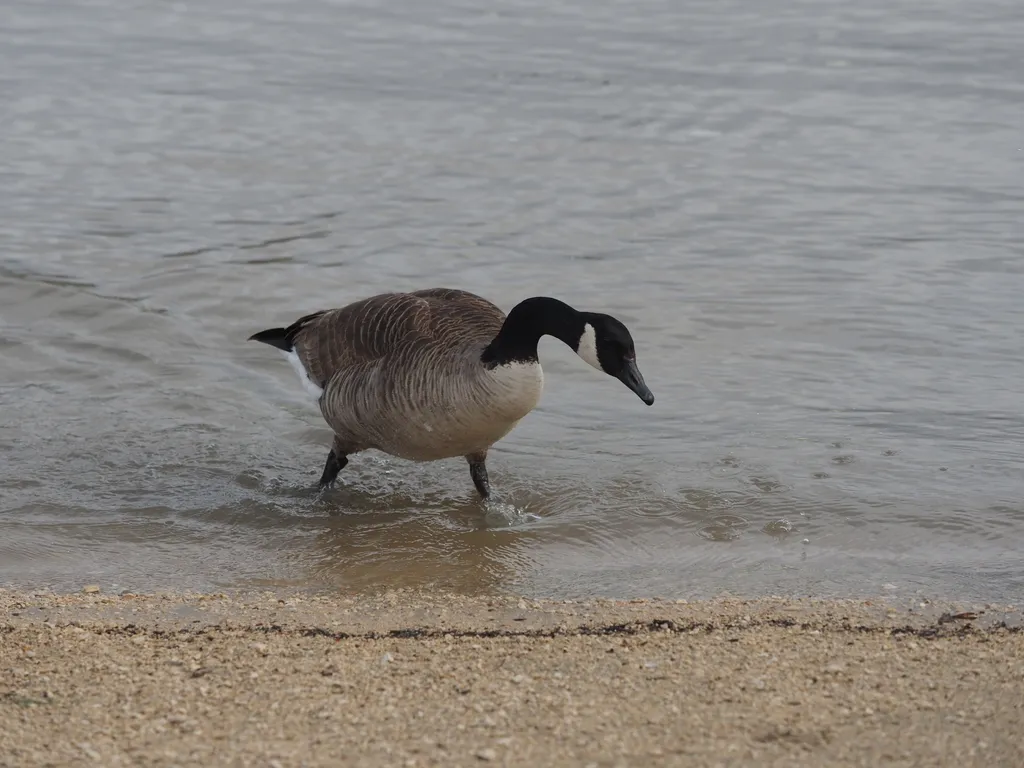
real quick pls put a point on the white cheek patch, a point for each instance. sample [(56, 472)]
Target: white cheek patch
[(307, 383), (587, 348)]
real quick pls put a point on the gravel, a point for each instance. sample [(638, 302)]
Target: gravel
[(406, 679)]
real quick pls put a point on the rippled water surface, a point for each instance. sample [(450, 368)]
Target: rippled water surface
[(810, 214)]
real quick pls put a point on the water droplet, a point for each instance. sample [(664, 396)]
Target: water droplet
[(780, 527)]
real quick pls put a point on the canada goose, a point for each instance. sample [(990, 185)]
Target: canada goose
[(440, 372)]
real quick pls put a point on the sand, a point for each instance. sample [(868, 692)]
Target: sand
[(407, 679)]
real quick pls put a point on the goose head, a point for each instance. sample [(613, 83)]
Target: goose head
[(605, 344)]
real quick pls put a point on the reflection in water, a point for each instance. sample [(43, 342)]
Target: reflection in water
[(374, 540), (391, 528), (357, 553)]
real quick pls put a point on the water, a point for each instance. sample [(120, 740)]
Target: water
[(809, 214)]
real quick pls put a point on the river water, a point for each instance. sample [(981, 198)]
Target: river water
[(810, 215)]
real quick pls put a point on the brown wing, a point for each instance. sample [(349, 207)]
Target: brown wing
[(384, 325), (459, 317)]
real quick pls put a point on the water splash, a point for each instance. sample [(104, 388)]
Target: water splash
[(504, 515)]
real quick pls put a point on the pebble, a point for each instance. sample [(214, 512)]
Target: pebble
[(91, 589), (487, 755), (89, 752)]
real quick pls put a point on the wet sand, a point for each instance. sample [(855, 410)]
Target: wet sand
[(409, 679)]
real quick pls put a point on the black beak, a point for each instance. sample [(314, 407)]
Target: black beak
[(631, 377)]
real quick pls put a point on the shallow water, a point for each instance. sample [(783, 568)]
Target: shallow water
[(810, 215)]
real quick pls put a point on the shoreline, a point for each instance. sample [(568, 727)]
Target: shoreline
[(405, 678)]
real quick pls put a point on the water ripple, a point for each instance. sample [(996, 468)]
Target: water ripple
[(809, 220)]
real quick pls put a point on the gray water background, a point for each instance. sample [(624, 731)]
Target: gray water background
[(810, 214)]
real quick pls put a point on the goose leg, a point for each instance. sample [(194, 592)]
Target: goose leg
[(335, 463), (478, 471)]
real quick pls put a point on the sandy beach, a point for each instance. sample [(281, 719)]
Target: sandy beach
[(409, 679)]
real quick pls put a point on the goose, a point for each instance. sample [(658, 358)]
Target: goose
[(439, 373)]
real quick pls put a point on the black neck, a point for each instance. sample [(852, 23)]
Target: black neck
[(526, 323)]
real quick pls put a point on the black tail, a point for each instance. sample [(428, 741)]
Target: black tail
[(284, 338), (275, 337)]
